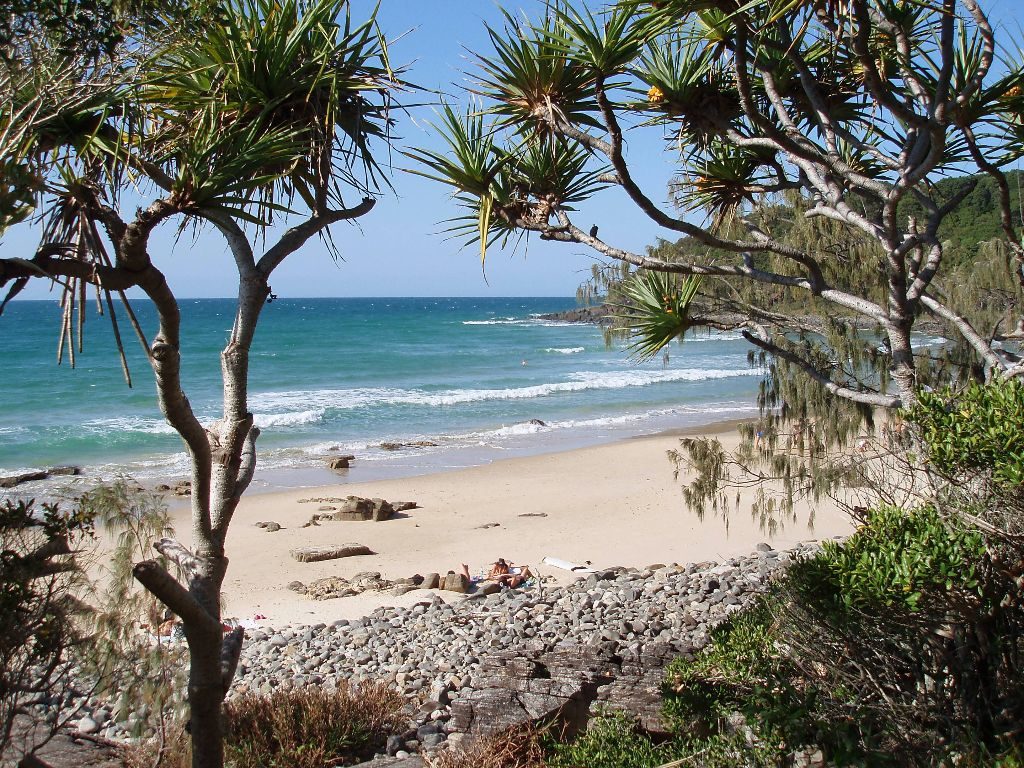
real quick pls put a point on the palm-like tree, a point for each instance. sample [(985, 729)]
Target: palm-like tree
[(829, 101), (273, 113)]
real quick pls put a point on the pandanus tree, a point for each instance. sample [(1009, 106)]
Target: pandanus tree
[(805, 139), (270, 116)]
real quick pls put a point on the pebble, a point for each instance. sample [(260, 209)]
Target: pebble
[(429, 652)]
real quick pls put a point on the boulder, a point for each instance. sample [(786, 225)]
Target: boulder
[(316, 554), (42, 474), (455, 582), (340, 462), (358, 508), (382, 510), (431, 581), (26, 477), (64, 471), (354, 508)]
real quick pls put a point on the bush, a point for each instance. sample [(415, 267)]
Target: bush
[(610, 741), (301, 728), (517, 747), (40, 617), (310, 727), (894, 559), (977, 430)]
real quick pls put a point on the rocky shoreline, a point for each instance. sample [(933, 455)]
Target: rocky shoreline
[(488, 661)]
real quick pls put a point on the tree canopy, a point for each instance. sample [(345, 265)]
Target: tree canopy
[(117, 120), (843, 115)]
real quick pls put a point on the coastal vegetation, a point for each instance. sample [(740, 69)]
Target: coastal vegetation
[(123, 121), (40, 619), (849, 160), (812, 138), (816, 138)]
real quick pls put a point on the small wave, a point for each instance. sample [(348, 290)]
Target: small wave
[(534, 427), (929, 342), (720, 336), (497, 321), (566, 350), (289, 419), (128, 424), (347, 399), (529, 321)]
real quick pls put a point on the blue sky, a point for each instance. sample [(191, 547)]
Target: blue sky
[(398, 249)]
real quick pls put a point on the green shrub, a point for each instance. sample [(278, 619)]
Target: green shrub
[(610, 741), (741, 696), (895, 557), (310, 727), (977, 429)]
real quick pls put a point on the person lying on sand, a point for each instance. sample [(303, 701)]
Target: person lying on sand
[(506, 574)]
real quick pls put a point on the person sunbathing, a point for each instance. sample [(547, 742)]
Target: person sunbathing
[(505, 573)]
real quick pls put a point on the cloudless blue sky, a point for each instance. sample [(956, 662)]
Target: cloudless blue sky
[(398, 249)]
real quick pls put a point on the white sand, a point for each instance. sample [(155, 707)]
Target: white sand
[(615, 504)]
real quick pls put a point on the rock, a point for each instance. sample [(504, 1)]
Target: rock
[(340, 462), (382, 510), (316, 554), (431, 581), (88, 725), (433, 740), (64, 471), (393, 745), (534, 514), (455, 582), (269, 526), (402, 506), (41, 474), (297, 586)]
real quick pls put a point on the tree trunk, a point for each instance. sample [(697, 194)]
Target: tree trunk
[(205, 696)]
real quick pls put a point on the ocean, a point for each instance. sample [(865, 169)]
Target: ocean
[(471, 379)]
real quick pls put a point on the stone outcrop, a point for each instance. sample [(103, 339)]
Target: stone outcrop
[(340, 462), (356, 508), (316, 554), (12, 481), (390, 446), (487, 661)]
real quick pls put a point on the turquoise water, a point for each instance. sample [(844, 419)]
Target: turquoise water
[(348, 374)]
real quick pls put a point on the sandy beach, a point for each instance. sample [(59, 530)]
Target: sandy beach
[(613, 504)]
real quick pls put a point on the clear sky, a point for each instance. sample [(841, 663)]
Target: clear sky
[(398, 249)]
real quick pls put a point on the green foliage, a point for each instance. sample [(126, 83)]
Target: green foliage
[(902, 645), (122, 658), (894, 558), (39, 613), (271, 103), (977, 428), (310, 727), (610, 741), (744, 679), (657, 310)]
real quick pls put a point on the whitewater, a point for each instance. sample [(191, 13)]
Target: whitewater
[(468, 380)]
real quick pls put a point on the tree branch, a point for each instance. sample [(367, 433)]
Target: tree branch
[(230, 650), (166, 589), (295, 237), (875, 399), (966, 330)]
